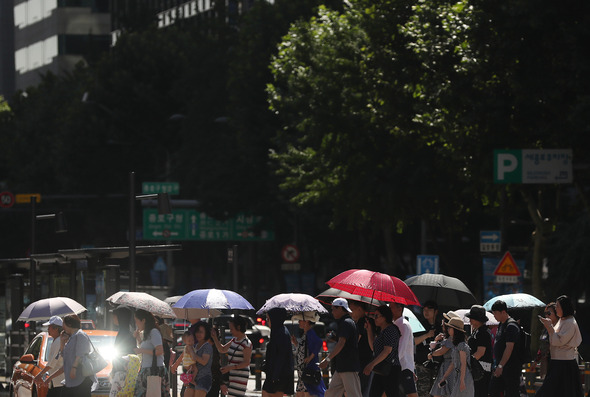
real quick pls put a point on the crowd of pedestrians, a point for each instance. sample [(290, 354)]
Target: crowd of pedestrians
[(438, 362), (375, 354)]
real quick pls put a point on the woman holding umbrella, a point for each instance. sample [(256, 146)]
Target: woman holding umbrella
[(279, 357), (385, 355), (308, 350), (563, 374)]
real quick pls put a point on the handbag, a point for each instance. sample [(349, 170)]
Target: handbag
[(383, 368), (477, 370), (154, 381), (93, 362), (311, 376)]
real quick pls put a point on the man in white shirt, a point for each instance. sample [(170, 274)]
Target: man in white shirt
[(54, 328), (405, 350)]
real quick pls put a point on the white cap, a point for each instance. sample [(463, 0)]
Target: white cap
[(342, 303), (55, 320)]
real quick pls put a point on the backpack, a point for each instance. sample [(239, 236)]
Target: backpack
[(522, 348)]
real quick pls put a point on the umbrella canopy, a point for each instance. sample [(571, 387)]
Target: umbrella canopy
[(462, 312), (332, 293), (172, 299), (294, 303), (516, 301), (141, 300), (45, 308), (374, 285), (212, 299), (415, 324), (444, 290)]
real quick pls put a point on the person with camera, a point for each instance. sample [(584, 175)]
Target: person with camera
[(458, 373), (443, 344)]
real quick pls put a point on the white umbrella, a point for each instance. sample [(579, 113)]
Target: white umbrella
[(294, 303), (141, 300), (45, 308), (462, 312)]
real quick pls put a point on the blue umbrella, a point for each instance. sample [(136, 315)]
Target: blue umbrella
[(516, 301), (415, 324), (212, 299)]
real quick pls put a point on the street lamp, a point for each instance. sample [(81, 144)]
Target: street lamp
[(59, 228), (163, 208)]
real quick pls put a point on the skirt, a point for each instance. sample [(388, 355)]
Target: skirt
[(563, 379)]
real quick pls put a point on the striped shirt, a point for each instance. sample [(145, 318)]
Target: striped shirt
[(238, 378)]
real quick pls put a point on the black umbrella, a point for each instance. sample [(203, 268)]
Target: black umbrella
[(447, 292)]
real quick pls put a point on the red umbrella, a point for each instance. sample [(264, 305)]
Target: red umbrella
[(374, 285)]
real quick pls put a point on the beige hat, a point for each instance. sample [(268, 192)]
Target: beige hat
[(314, 317), (456, 323), (450, 314), (167, 332)]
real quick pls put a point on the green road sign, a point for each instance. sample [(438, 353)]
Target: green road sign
[(172, 188), (533, 166), (187, 224)]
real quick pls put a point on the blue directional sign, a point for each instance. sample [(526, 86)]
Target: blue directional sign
[(427, 264), (490, 240)]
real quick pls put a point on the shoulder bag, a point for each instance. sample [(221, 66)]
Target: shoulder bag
[(154, 381), (92, 362), (310, 376)]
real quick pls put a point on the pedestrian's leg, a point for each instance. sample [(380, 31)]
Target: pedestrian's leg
[(352, 384), (336, 386)]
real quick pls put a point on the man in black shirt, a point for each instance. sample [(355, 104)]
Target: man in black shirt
[(507, 372), (433, 327), (345, 355)]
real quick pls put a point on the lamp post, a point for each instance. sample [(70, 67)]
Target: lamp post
[(163, 208)]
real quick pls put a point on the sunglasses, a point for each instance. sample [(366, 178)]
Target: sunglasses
[(548, 313)]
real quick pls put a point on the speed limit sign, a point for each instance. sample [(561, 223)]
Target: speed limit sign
[(6, 199)]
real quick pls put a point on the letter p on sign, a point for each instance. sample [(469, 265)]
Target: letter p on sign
[(507, 166)]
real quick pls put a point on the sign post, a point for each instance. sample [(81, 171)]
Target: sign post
[(6, 199), (490, 240)]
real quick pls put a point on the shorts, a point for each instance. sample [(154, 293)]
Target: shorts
[(202, 383), (407, 381)]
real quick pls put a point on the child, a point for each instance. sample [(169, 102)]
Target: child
[(189, 368)]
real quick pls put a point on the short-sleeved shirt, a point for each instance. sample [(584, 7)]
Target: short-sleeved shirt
[(56, 362), (406, 344), (204, 370), (78, 346), (508, 331), (390, 336), (347, 360), (481, 337), (155, 339)]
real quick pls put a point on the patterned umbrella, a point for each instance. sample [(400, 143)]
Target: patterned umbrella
[(45, 308), (293, 303), (212, 299), (374, 285), (141, 300)]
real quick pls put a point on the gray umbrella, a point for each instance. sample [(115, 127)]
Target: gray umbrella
[(447, 292)]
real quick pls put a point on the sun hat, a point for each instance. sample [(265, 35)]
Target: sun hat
[(55, 320), (341, 302), (450, 314), (456, 323), (477, 313), (314, 317)]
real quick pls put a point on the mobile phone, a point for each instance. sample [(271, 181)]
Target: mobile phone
[(443, 383)]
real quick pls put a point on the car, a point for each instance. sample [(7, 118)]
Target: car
[(35, 359)]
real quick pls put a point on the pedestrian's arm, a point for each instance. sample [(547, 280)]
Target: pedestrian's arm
[(563, 336), (481, 350), (463, 359), (382, 356), (54, 375), (507, 353), (438, 352), (337, 349), (220, 348), (422, 338)]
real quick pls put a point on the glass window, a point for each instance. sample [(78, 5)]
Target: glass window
[(35, 347)]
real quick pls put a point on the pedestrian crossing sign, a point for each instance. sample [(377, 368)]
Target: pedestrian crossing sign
[(507, 270)]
